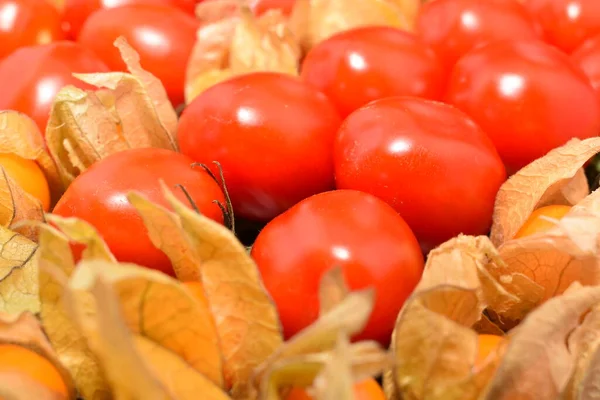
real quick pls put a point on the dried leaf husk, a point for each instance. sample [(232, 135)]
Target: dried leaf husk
[(556, 178), (233, 41), (313, 21), (19, 282), (151, 337), (206, 252), (434, 343), (16, 206), (25, 330), (129, 110)]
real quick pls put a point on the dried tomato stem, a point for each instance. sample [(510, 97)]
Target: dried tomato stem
[(189, 198), (227, 210)]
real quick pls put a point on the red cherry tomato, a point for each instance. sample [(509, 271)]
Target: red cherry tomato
[(453, 27), (273, 135), (163, 36), (566, 23), (26, 23), (115, 218), (346, 228), (528, 96), (587, 56), (31, 77), (366, 64), (76, 12), (428, 160)]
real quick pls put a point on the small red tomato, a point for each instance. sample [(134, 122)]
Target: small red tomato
[(163, 36), (587, 56), (453, 27), (272, 134), (26, 23), (76, 12), (361, 65), (343, 228), (31, 77), (527, 95), (566, 23), (426, 159), (98, 196)]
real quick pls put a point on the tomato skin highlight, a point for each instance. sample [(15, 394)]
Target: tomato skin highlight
[(163, 36), (535, 98), (76, 12), (354, 230), (272, 156), (454, 27), (368, 389), (31, 77), (28, 23), (535, 224), (361, 65), (116, 219), (426, 159), (587, 57), (566, 23)]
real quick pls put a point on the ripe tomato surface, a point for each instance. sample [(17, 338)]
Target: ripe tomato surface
[(273, 135), (361, 65), (76, 12), (26, 23), (426, 159), (98, 196), (31, 77), (587, 57), (346, 228), (527, 96), (163, 36), (453, 27), (28, 175), (566, 23), (368, 389), (538, 220)]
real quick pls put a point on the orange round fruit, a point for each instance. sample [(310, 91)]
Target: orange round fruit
[(28, 175), (488, 344), (368, 389), (536, 223), (15, 358)]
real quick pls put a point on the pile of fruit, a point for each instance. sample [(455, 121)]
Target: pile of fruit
[(299, 199)]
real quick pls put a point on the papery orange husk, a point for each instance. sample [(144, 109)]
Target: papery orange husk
[(313, 356), (204, 251), (129, 110), (25, 330), (313, 21), (233, 41)]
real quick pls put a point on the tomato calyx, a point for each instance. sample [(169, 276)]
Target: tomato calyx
[(227, 208)]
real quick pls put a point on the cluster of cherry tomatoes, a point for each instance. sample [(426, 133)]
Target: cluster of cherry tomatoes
[(416, 131)]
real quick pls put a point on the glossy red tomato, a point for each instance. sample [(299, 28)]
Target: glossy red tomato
[(76, 12), (31, 77), (527, 95), (273, 135), (26, 23), (163, 36), (346, 228), (426, 159), (566, 23), (366, 64), (453, 27), (587, 56), (98, 196)]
